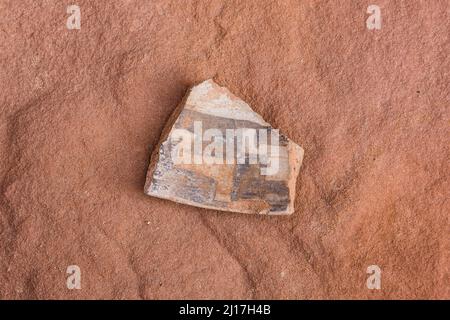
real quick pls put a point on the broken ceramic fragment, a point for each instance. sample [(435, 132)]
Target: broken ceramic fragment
[(215, 152)]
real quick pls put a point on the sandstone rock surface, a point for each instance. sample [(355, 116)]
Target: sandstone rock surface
[(242, 165), (82, 110)]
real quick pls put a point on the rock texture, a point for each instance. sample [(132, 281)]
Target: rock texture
[(82, 110), (243, 165)]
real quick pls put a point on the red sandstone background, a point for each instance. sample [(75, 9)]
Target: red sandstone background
[(81, 110)]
